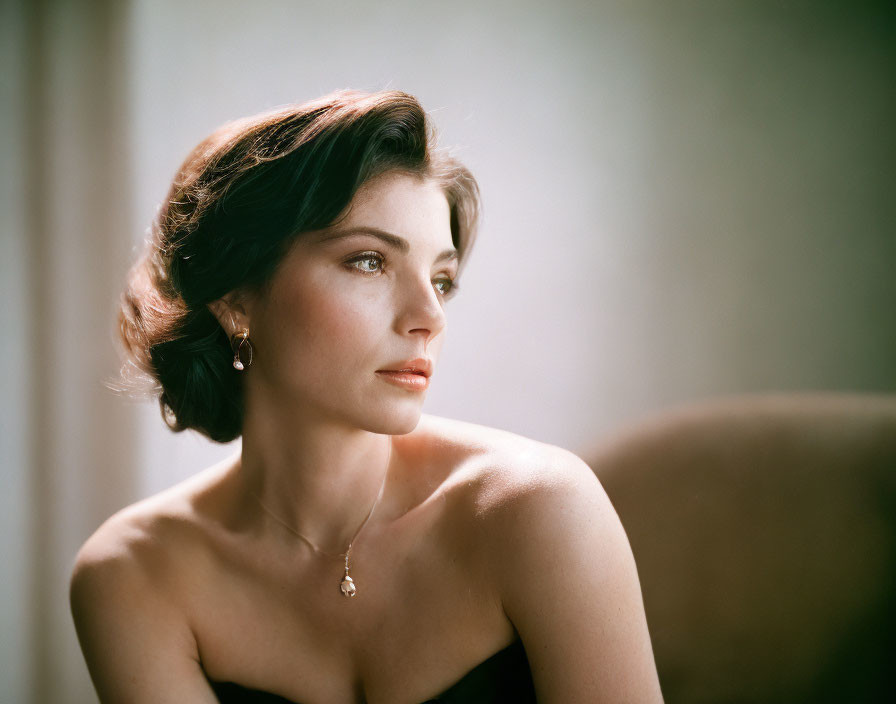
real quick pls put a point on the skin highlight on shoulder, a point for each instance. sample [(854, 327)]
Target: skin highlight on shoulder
[(162, 537), (501, 468)]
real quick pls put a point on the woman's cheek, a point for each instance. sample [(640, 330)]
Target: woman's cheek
[(343, 320), (328, 315)]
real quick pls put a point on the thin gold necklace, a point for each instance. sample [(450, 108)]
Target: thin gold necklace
[(347, 585)]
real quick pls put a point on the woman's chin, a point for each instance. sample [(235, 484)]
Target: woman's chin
[(395, 421)]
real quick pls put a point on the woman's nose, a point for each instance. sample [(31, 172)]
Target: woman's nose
[(420, 310)]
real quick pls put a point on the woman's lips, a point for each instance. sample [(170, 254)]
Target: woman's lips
[(406, 380)]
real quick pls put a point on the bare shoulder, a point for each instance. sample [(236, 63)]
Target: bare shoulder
[(535, 499), (504, 472), (562, 566), (125, 559), (127, 591), (150, 537)]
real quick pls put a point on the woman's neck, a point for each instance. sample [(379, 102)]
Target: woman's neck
[(318, 476)]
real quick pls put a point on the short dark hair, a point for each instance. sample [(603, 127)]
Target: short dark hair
[(239, 200)]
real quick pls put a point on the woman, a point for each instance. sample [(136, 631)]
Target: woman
[(293, 293)]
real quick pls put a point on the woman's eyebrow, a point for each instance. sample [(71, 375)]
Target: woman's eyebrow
[(395, 241)]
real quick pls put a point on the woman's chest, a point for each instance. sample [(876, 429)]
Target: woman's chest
[(424, 613)]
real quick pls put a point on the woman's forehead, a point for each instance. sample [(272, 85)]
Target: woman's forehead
[(406, 205), (395, 193)]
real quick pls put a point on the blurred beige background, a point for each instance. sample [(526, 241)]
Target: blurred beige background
[(682, 200)]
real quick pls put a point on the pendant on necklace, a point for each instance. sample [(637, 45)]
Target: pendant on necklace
[(347, 586)]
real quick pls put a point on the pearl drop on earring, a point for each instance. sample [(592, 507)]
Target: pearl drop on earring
[(236, 342)]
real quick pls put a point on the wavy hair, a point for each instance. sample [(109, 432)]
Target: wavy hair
[(237, 203)]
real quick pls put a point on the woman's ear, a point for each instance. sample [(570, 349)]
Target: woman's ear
[(230, 314)]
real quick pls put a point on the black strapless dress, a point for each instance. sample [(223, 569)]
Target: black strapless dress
[(504, 678)]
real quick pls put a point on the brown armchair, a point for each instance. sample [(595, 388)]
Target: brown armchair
[(764, 530)]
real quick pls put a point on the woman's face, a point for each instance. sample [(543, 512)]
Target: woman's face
[(363, 296)]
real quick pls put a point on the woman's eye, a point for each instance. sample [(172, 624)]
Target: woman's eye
[(368, 263), (445, 286), (372, 263)]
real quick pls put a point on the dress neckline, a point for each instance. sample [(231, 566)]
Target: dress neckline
[(511, 658)]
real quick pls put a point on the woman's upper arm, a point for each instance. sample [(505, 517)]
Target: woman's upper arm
[(570, 587), (137, 645)]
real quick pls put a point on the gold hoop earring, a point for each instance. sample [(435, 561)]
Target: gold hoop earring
[(240, 342)]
